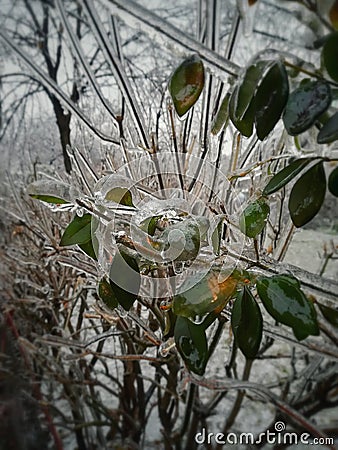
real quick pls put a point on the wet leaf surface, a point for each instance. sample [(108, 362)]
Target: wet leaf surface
[(285, 175), (247, 323), (254, 217), (330, 314), (329, 131), (120, 195), (222, 116), (270, 99), (205, 295), (106, 294), (78, 231), (305, 105), (330, 55), (307, 195), (191, 343), (186, 84), (285, 302), (125, 279), (49, 199)]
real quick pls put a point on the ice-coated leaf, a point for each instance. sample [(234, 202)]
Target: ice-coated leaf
[(182, 241), (333, 182), (329, 131), (330, 55), (285, 175), (120, 195), (305, 105), (307, 195), (205, 295), (88, 248), (78, 231), (125, 279), (247, 323), (253, 218), (49, 199), (286, 302), (245, 124), (222, 115), (241, 104), (191, 343), (106, 294), (330, 314), (270, 99), (149, 225), (186, 84), (50, 191)]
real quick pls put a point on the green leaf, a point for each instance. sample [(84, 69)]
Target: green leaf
[(182, 240), (330, 55), (241, 105), (125, 279), (186, 84), (253, 219), (247, 323), (149, 224), (329, 132), (287, 303), (49, 199), (305, 105), (120, 195), (285, 175), (270, 99), (191, 343), (307, 195), (200, 297), (88, 248), (333, 182), (106, 294), (245, 124), (222, 115), (78, 231), (216, 236), (330, 314)]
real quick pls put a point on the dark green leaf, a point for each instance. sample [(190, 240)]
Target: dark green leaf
[(270, 99), (120, 195), (305, 105), (241, 105), (254, 217), (125, 278), (78, 231), (49, 199), (307, 195), (191, 343), (245, 124), (285, 175), (329, 132), (286, 303), (333, 182), (205, 295), (88, 248), (222, 115), (330, 314), (330, 55), (186, 84), (216, 237), (247, 323), (106, 294)]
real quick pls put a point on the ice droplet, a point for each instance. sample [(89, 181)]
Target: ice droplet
[(79, 212)]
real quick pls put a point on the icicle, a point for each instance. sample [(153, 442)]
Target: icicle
[(166, 346)]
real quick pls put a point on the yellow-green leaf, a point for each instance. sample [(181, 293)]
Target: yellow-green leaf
[(186, 84)]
